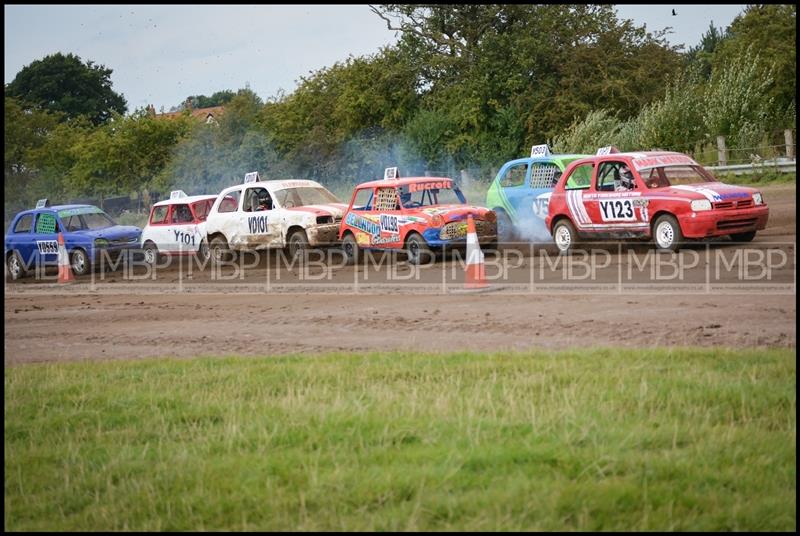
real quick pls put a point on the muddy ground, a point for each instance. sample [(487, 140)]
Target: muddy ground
[(719, 294)]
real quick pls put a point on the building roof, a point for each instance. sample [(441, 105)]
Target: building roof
[(198, 113)]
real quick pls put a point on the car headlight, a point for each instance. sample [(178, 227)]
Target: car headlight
[(699, 205), (757, 198), (101, 243)]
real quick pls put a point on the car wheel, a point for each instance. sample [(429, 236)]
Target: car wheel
[(80, 262), (16, 270), (667, 233), (203, 251), (298, 245), (743, 237), (150, 253), (417, 250), (505, 229), (351, 250), (219, 250), (564, 236)]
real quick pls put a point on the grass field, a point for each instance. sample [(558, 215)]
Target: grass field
[(606, 439)]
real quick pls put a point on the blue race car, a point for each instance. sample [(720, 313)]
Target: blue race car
[(32, 238)]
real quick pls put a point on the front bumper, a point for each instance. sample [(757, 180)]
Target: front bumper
[(113, 252), (325, 234), (444, 237), (720, 222)]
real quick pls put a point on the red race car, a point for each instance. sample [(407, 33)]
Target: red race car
[(415, 214), (661, 195)]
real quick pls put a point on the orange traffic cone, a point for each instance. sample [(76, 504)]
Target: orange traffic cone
[(65, 274), (476, 278)]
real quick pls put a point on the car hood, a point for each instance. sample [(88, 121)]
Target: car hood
[(451, 212), (115, 232), (713, 191), (328, 209)]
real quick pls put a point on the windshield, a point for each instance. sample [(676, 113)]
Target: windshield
[(663, 177), (427, 197), (306, 195), (97, 220)]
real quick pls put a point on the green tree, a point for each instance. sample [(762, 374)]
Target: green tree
[(701, 56), (63, 83), (125, 154), (218, 98), (770, 30)]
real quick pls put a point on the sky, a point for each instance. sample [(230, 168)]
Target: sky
[(162, 54)]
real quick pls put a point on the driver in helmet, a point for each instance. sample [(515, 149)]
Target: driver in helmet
[(264, 200), (625, 180)]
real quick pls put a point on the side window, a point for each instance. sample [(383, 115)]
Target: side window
[(256, 199), (24, 224), (181, 214), (580, 178), (514, 176), (386, 199), (201, 209), (231, 202), (608, 176), (544, 175), (363, 200), (159, 214), (46, 223), (73, 223)]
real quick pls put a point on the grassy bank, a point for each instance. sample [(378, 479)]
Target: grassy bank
[(605, 439)]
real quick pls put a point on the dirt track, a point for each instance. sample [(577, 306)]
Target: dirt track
[(713, 303)]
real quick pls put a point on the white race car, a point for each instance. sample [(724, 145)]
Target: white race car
[(177, 227), (256, 215)]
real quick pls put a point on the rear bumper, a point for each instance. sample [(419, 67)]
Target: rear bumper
[(723, 222)]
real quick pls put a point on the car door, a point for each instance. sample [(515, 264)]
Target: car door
[(514, 181), (182, 231), (359, 217), (577, 193), (158, 228), (259, 224), (21, 240), (45, 235), (610, 208), (533, 201)]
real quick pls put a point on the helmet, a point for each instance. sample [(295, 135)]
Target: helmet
[(626, 177), (264, 199)]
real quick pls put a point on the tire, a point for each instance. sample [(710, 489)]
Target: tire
[(80, 262), (417, 250), (667, 234), (743, 237), (219, 250), (505, 229), (203, 252), (15, 268), (150, 253), (298, 245), (352, 253), (565, 236)]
